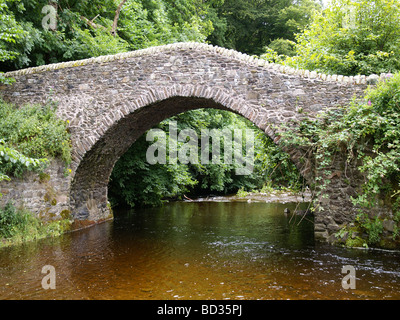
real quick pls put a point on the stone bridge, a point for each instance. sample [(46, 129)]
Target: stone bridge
[(110, 101)]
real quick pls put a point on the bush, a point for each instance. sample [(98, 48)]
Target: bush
[(30, 133), (20, 225), (8, 220), (349, 38), (368, 130), (283, 47)]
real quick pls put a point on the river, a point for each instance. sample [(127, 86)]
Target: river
[(197, 250)]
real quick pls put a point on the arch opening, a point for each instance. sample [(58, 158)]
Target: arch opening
[(89, 188)]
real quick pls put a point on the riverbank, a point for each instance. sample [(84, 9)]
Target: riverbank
[(281, 196), (18, 225)]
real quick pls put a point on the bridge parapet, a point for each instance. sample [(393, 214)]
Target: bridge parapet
[(251, 60)]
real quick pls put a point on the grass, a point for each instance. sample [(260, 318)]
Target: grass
[(18, 225)]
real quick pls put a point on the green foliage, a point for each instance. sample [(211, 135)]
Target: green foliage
[(8, 219), (30, 135), (364, 232), (283, 47), (10, 31), (249, 26), (84, 28), (368, 131), (15, 162), (19, 225), (379, 122), (351, 37), (373, 227), (273, 56), (241, 193), (135, 182)]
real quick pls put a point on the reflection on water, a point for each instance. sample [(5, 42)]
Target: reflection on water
[(209, 250)]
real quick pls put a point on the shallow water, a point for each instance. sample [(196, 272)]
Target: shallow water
[(202, 250)]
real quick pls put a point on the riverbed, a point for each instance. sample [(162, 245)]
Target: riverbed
[(197, 250)]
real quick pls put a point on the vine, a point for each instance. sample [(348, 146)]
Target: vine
[(368, 132)]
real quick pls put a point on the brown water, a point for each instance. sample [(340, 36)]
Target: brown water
[(228, 250)]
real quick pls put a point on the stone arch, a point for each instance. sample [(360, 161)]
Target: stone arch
[(88, 192)]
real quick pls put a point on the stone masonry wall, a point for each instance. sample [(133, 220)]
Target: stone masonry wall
[(46, 194)]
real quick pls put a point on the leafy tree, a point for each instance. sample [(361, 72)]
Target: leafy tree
[(249, 26), (351, 37), (283, 47), (135, 182), (294, 17), (10, 31), (91, 28)]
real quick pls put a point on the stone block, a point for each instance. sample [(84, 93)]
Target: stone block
[(388, 225)]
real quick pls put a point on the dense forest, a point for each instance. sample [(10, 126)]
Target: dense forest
[(347, 37), (37, 32)]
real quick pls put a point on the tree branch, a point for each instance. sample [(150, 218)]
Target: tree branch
[(92, 24), (114, 26)]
